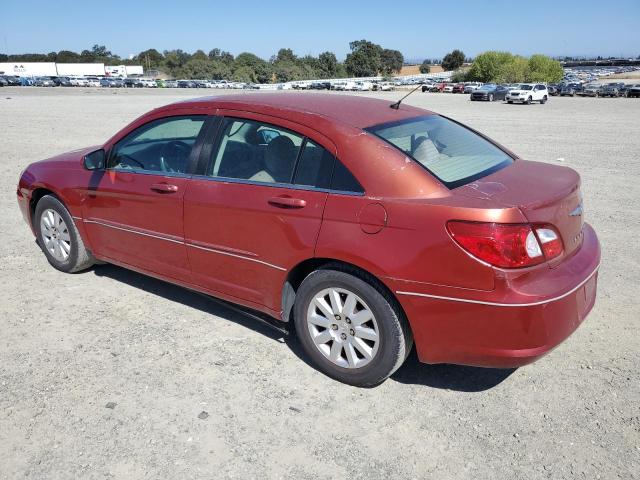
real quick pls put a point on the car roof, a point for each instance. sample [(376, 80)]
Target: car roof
[(360, 112)]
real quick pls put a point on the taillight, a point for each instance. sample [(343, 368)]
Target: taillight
[(507, 245)]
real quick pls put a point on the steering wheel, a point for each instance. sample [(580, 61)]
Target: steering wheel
[(173, 156)]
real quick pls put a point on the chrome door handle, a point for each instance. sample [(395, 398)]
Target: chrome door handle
[(164, 188), (287, 202)]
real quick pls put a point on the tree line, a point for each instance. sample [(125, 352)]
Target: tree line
[(365, 59)]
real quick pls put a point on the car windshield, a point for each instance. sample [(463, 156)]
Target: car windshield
[(526, 87), (451, 152), (487, 87)]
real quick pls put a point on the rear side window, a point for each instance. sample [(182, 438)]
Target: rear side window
[(344, 181), (315, 166), (452, 153)]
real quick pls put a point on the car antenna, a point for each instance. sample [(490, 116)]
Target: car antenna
[(396, 105)]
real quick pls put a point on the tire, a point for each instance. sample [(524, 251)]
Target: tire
[(509, 102), (544, 100), (370, 300), (528, 101), (491, 97), (70, 255)]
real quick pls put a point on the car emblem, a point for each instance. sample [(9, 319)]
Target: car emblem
[(576, 212)]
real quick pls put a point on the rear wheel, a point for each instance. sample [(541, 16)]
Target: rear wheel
[(350, 327), (59, 238)]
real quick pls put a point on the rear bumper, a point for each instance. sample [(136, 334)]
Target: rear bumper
[(511, 326)]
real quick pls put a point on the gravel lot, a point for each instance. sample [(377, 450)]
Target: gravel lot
[(107, 373)]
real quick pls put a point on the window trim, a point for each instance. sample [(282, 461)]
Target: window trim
[(456, 183), (192, 162), (205, 162)]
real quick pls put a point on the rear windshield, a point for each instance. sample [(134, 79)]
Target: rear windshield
[(451, 152)]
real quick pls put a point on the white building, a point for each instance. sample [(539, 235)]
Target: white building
[(50, 69), (71, 69), (28, 69)]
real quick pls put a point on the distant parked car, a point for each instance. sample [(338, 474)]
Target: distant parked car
[(93, 82), (61, 81), (528, 93), (610, 90), (170, 83), (458, 88), (43, 82), (3, 82), (471, 86), (623, 90), (571, 90), (489, 92), (634, 91), (448, 88), (592, 90), (553, 90), (12, 80), (186, 84)]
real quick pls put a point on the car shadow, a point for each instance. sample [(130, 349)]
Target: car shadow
[(187, 297), (448, 377)]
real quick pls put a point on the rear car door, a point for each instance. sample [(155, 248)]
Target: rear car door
[(133, 208), (255, 209)]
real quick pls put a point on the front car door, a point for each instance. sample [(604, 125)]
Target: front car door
[(255, 210), (133, 208)]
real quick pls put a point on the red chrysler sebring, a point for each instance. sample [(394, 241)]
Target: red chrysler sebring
[(368, 227)]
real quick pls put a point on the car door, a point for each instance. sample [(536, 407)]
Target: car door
[(133, 208), (255, 209)]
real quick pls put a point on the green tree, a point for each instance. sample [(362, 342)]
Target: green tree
[(261, 70), (199, 55), (364, 59), (244, 74), (67, 56), (490, 66), (328, 64), (544, 69), (150, 58), (391, 61), (516, 70), (425, 67), (453, 60)]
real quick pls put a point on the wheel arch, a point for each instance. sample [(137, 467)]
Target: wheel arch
[(298, 273)]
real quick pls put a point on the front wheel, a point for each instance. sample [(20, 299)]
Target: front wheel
[(59, 238), (350, 327), (544, 100), (529, 100)]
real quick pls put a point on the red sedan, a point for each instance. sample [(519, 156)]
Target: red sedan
[(370, 228)]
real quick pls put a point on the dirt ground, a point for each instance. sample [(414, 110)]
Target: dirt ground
[(107, 373)]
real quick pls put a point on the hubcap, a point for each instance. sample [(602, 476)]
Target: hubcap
[(343, 328), (55, 235)]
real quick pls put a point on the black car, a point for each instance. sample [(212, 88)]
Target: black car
[(610, 90), (489, 92), (623, 90), (320, 86), (633, 91), (61, 81), (186, 84), (571, 90), (3, 82)]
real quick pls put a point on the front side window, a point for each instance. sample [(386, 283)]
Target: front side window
[(160, 146), (451, 152), (256, 151)]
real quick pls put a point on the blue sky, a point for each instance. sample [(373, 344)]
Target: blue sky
[(419, 29)]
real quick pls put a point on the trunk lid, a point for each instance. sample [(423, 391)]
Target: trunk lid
[(544, 194)]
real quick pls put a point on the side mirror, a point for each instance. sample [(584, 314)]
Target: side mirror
[(94, 160)]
